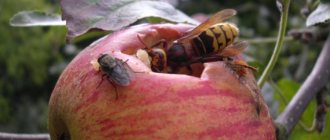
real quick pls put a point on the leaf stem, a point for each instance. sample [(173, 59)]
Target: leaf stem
[(278, 45)]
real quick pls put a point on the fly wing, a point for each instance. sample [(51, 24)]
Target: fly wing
[(122, 74), (216, 18)]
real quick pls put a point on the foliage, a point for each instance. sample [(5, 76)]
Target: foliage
[(84, 15), (26, 54), (36, 18), (287, 89), (319, 15)]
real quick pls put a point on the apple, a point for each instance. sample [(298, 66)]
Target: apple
[(210, 104)]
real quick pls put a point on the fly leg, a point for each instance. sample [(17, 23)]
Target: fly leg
[(115, 88), (104, 75)]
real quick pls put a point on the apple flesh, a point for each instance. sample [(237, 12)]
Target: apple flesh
[(212, 104)]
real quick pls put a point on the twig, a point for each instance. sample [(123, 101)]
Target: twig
[(278, 45), (272, 84), (316, 80), (300, 122), (12, 136), (302, 63), (321, 111), (310, 34), (266, 40)]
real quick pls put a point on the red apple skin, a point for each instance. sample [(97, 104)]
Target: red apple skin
[(155, 105)]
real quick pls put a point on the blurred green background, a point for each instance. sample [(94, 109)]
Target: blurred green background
[(31, 59)]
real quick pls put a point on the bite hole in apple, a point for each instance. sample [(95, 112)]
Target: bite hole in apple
[(193, 69)]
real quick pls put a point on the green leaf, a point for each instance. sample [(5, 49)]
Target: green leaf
[(320, 15), (5, 109), (36, 18), (111, 15), (288, 89)]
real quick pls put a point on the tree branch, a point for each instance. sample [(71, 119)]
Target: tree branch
[(316, 80), (12, 136)]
